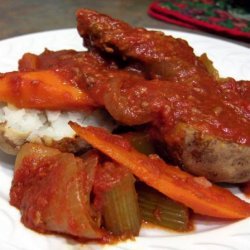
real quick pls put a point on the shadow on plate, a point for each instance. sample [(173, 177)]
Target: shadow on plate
[(7, 160)]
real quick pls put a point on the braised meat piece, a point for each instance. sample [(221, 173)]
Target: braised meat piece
[(206, 108), (216, 105), (160, 56)]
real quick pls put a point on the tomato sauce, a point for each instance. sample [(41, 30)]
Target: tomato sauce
[(26, 190), (219, 108)]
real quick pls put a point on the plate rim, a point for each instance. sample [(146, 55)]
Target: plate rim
[(213, 232)]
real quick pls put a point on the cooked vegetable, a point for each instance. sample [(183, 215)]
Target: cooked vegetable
[(31, 150), (209, 66), (160, 210), (195, 192), (141, 142), (119, 200), (52, 191), (35, 90)]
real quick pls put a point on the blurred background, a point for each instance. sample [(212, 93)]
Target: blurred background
[(19, 17), (26, 16)]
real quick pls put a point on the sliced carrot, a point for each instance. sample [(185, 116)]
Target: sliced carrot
[(42, 90), (195, 192)]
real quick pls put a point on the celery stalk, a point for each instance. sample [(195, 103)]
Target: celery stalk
[(141, 142), (121, 209), (160, 210)]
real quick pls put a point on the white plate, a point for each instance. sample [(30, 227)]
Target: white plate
[(230, 59)]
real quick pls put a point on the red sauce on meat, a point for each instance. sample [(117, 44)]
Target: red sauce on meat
[(220, 108)]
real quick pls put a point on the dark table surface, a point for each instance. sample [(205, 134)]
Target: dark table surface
[(19, 17)]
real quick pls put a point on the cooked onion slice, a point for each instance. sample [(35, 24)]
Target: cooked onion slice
[(52, 191)]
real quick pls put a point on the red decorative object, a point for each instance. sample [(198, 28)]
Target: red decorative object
[(210, 15)]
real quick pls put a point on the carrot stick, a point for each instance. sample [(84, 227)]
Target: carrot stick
[(42, 90), (195, 192)]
